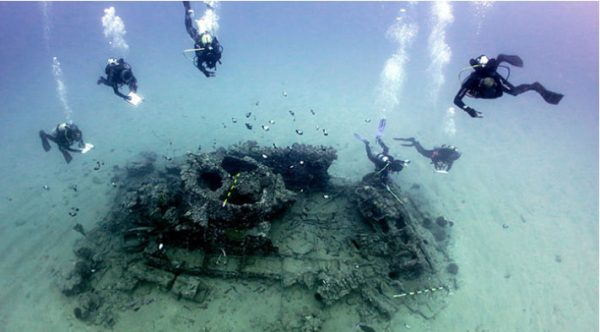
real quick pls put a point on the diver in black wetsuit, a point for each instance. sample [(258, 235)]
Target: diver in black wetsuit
[(119, 73), (486, 83), (64, 135), (207, 47), (441, 157), (384, 163)]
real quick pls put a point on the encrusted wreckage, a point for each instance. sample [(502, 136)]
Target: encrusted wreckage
[(259, 213)]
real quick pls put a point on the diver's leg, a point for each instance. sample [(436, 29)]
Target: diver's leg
[(65, 154), (369, 152), (132, 87), (424, 152), (103, 80), (519, 89), (202, 66), (549, 96), (45, 143), (383, 146), (205, 71), (514, 90), (410, 139)]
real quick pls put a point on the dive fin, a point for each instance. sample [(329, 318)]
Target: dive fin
[(551, 97), (66, 155), (360, 138), (410, 139), (514, 60), (381, 127), (45, 142)]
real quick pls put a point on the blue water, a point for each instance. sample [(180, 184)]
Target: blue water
[(524, 159)]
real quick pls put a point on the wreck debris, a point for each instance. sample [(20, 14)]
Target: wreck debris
[(236, 214)]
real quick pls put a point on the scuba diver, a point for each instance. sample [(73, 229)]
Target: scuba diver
[(65, 135), (384, 162), (485, 82), (441, 157), (207, 48), (118, 72)]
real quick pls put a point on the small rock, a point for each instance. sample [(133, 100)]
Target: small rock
[(452, 268), (558, 259)]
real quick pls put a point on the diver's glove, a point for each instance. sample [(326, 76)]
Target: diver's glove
[(472, 112)]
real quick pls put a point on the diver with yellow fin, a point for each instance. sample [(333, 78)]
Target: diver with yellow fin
[(207, 48), (65, 135), (486, 83), (119, 73)]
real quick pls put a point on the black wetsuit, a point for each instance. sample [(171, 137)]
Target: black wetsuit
[(207, 55), (384, 162), (64, 135), (442, 157), (475, 85), (117, 75)]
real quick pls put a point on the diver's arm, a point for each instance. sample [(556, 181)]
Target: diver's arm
[(118, 93), (218, 49), (188, 22), (461, 94), (133, 84), (220, 53), (80, 144), (68, 148)]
